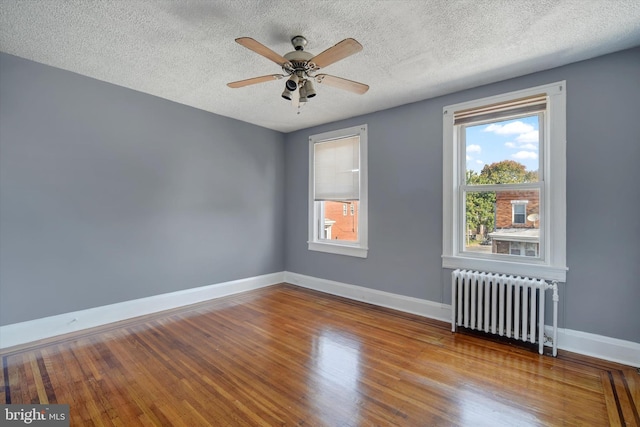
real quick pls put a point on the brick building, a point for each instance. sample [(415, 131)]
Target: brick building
[(517, 229), (341, 220)]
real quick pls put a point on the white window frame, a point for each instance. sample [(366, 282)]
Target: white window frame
[(357, 248), (551, 264)]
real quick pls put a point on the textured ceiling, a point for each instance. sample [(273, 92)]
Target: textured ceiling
[(185, 50)]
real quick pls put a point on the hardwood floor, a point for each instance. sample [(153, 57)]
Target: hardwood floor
[(285, 355)]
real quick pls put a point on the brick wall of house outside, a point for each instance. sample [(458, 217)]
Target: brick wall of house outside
[(345, 226), (504, 210)]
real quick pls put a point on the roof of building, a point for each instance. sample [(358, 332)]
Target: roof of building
[(517, 234)]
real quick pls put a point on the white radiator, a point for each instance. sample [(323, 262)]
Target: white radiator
[(508, 306)]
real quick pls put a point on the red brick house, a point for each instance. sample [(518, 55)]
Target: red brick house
[(517, 230), (341, 220)]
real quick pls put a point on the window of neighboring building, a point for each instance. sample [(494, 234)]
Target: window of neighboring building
[(504, 183), (523, 249), (337, 178), (519, 211), (515, 248)]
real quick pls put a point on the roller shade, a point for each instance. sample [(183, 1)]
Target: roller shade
[(337, 169), (530, 104)]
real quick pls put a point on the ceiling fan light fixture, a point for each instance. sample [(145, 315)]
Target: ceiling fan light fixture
[(309, 89), (286, 94), (303, 93), (292, 83)]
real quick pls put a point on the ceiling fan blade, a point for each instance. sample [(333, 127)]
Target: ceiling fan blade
[(341, 83), (261, 49), (255, 80), (337, 52)]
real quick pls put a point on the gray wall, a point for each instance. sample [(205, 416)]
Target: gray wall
[(602, 292), (107, 194)]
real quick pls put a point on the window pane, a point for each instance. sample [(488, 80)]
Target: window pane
[(504, 222), (335, 224), (519, 212), (502, 152)]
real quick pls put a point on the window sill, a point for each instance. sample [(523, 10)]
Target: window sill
[(541, 271), (333, 248)]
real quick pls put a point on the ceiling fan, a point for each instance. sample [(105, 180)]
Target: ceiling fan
[(300, 67)]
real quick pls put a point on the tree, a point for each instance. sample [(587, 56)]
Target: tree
[(507, 172), (480, 205)]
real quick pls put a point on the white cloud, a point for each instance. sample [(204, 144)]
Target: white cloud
[(525, 155), (480, 162), (531, 136), (473, 148), (510, 145), (469, 158), (510, 128), (528, 146)]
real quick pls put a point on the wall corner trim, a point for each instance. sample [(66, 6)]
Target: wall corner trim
[(48, 327)]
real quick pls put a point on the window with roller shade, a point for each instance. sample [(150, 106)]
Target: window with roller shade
[(337, 183)]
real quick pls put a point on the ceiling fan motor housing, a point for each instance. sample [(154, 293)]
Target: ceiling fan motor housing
[(299, 60)]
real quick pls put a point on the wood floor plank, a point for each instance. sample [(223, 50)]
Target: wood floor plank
[(285, 355), (628, 411), (4, 381), (632, 379)]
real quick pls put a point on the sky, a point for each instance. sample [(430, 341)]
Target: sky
[(515, 139)]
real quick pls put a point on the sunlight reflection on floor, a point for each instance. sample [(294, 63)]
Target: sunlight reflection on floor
[(337, 371), (479, 409)]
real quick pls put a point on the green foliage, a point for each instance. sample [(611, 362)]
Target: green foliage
[(479, 210), (507, 172), (480, 206)]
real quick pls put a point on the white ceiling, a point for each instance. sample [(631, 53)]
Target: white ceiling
[(413, 50)]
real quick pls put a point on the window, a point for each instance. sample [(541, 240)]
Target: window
[(504, 183), (337, 178), (523, 249), (518, 211)]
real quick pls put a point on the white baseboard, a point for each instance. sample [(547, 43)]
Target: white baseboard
[(47, 327), (602, 347), (421, 307)]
